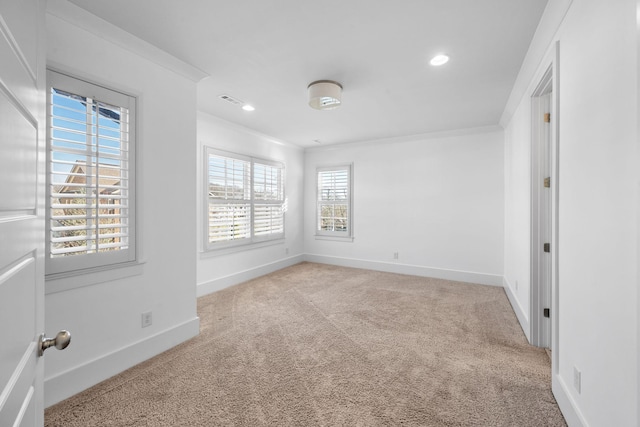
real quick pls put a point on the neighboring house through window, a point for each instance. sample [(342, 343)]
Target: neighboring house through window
[(90, 176), (245, 199), (334, 198)]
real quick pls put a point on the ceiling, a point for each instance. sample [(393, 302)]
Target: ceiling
[(265, 53)]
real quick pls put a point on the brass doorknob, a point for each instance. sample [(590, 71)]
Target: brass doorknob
[(61, 341)]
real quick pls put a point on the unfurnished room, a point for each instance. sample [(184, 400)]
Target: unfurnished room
[(294, 213)]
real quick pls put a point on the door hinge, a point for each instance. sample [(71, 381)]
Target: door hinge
[(547, 117), (546, 312), (547, 182), (547, 247)]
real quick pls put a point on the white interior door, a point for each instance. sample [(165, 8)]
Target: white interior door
[(22, 116)]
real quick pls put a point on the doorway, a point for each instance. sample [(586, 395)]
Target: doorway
[(544, 210)]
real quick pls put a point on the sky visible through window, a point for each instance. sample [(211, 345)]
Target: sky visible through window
[(79, 135)]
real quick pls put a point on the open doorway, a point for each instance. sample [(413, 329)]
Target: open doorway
[(541, 212), (544, 210)]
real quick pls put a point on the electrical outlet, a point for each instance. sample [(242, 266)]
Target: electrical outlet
[(286, 251), (516, 285), (395, 255), (146, 319), (577, 379)]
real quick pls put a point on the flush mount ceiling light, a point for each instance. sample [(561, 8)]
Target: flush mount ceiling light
[(438, 60), (325, 95)]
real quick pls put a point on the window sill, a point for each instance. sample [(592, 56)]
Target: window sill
[(334, 238), (207, 253), (60, 282)]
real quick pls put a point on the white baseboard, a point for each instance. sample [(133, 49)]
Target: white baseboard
[(567, 405), (517, 308), (242, 276), (414, 270), (73, 381)]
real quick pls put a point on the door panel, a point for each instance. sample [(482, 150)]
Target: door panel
[(16, 72), (20, 18), (17, 337), (22, 117), (18, 161)]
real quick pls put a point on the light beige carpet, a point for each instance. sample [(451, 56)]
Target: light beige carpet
[(319, 345)]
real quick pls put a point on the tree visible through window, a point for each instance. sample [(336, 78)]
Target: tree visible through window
[(90, 175), (245, 199), (334, 201)]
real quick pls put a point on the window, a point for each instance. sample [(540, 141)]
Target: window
[(334, 202), (245, 199), (90, 176)]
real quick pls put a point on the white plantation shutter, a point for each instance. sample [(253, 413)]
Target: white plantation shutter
[(268, 195), (245, 199), (90, 217), (334, 201), (229, 194)]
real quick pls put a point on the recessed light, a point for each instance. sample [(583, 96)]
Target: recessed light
[(247, 107), (438, 60)]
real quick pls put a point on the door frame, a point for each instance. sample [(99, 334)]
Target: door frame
[(540, 218), (548, 79)]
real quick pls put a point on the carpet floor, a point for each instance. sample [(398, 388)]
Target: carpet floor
[(320, 345)]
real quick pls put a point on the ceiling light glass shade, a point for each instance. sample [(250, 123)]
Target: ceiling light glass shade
[(325, 95), (439, 60)]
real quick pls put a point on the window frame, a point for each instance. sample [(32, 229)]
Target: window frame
[(253, 239), (62, 267), (335, 235)]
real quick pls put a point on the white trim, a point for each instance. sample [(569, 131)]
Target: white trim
[(65, 281), (65, 384), (204, 254), (567, 405), (413, 270), (83, 264), (81, 18), (538, 335), (214, 285), (552, 18), (517, 309), (336, 234), (408, 138), (346, 239), (638, 204)]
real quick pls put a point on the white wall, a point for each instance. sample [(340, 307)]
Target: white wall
[(517, 252), (105, 318), (219, 269), (436, 199), (598, 202)]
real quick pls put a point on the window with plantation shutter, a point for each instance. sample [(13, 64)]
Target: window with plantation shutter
[(334, 201), (90, 176), (268, 195), (229, 199), (245, 199)]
